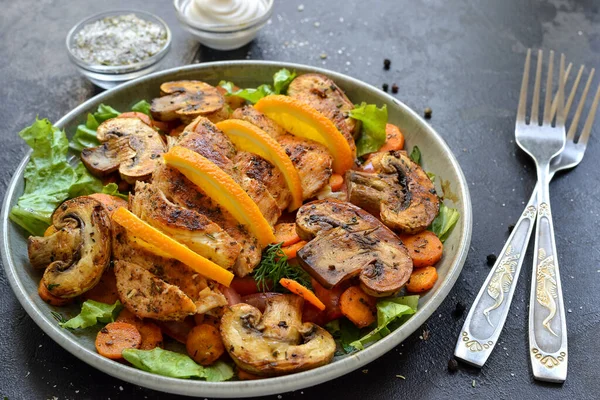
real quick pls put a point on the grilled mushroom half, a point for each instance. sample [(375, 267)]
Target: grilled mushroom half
[(128, 145), (187, 100), (348, 242), (275, 342), (77, 254), (398, 190)]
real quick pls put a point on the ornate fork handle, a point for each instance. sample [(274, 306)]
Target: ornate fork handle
[(547, 324), (489, 311)]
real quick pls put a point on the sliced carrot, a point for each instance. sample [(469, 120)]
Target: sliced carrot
[(248, 137), (422, 279), (110, 202), (162, 126), (51, 230), (204, 344), (291, 251), (247, 376), (105, 290), (302, 291), (425, 248), (304, 121), (285, 233), (394, 138), (116, 337), (358, 307), (177, 131), (173, 248), (151, 334), (134, 114), (51, 299), (336, 182), (222, 189)]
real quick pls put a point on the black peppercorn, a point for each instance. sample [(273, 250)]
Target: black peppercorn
[(452, 365), (394, 88), (385, 87), (491, 259), (386, 64), (459, 310), (428, 112)]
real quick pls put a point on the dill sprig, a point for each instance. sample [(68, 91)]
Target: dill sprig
[(273, 266)]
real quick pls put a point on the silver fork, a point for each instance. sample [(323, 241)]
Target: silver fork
[(487, 316)]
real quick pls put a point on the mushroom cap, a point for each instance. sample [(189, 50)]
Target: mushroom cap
[(187, 100), (348, 242), (79, 250), (137, 146), (398, 190), (275, 342)]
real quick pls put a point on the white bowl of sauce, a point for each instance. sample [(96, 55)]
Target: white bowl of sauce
[(116, 46), (223, 24)]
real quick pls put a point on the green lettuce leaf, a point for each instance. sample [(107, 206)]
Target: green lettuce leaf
[(85, 135), (93, 312), (443, 224), (142, 106), (282, 79), (373, 127), (176, 365), (388, 311), (250, 95), (415, 155)]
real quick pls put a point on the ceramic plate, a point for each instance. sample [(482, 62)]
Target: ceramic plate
[(437, 158)]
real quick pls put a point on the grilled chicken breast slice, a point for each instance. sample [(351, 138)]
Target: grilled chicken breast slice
[(311, 159), (194, 285), (178, 189), (325, 96), (258, 168), (186, 226), (148, 296)]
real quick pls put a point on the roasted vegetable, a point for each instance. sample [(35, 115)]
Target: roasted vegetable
[(187, 100), (275, 342), (77, 254), (129, 145), (350, 242), (398, 190)]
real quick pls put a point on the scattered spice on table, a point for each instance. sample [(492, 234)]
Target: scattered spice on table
[(323, 56), (385, 87), (401, 377), (452, 365), (394, 88), (491, 259), (426, 334), (473, 383), (428, 112), (386, 64), (511, 227)]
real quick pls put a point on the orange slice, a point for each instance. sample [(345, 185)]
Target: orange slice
[(156, 239), (251, 138), (222, 189), (302, 120)]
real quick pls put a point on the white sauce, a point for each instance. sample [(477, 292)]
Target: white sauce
[(225, 12)]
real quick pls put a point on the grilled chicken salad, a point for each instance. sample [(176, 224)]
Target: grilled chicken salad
[(265, 230)]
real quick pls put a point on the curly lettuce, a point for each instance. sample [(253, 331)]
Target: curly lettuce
[(373, 134), (281, 81)]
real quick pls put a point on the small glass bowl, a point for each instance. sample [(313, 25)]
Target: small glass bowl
[(109, 76), (222, 36)]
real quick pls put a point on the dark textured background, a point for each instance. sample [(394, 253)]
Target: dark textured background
[(461, 58)]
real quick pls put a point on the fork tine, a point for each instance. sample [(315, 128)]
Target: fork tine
[(555, 101), (524, 84), (573, 91), (547, 119), (587, 128), (575, 121), (535, 106), (560, 117)]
